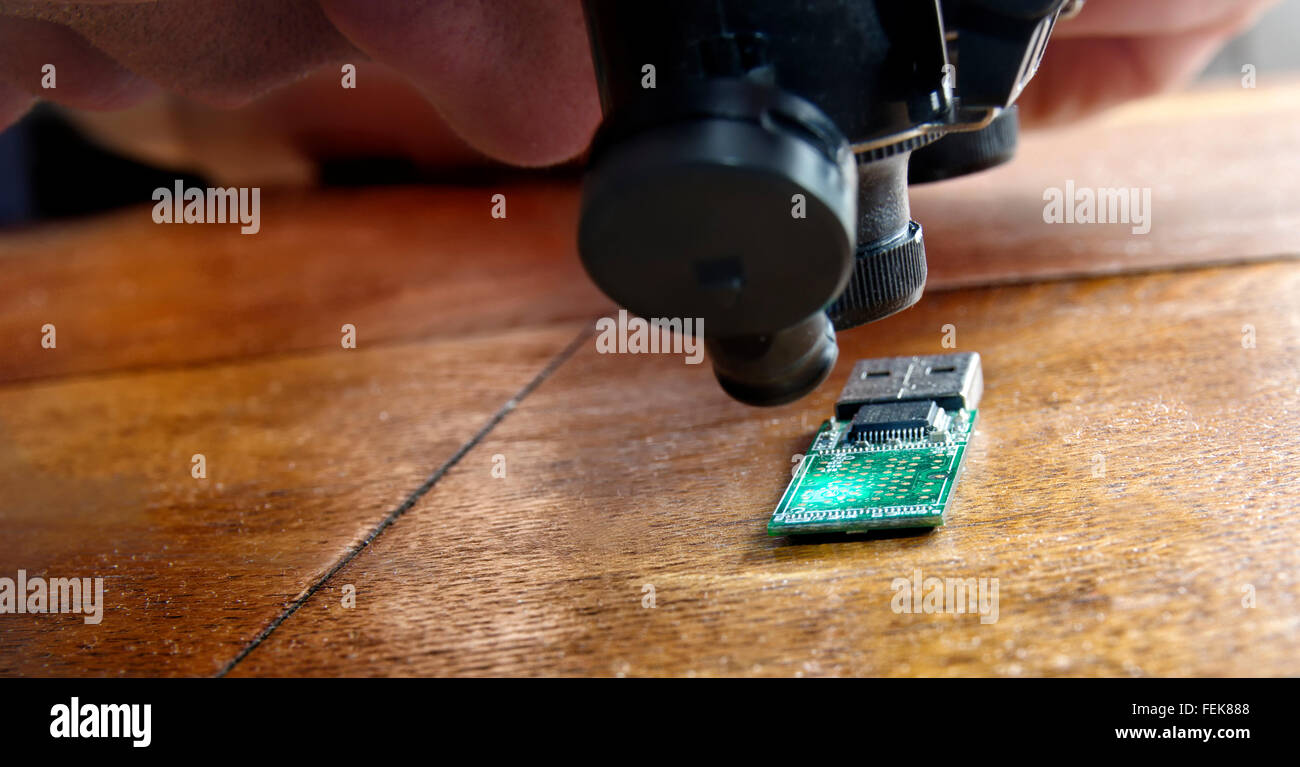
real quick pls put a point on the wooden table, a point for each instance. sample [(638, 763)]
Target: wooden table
[(1132, 485)]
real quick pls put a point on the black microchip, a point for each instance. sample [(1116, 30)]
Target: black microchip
[(873, 420)]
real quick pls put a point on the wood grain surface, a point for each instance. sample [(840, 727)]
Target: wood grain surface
[(1222, 167), (306, 455), (614, 484), (1132, 482), (399, 264)]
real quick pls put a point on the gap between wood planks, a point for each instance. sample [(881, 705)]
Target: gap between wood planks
[(414, 497)]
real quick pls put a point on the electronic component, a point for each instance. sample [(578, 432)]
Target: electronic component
[(908, 421), (893, 452)]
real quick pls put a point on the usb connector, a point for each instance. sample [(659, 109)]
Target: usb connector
[(952, 381)]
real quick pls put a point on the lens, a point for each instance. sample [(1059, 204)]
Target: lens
[(775, 368)]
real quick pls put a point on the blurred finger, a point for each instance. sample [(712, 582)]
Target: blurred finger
[(1081, 76), (512, 77), (83, 77), (1144, 18), (221, 53)]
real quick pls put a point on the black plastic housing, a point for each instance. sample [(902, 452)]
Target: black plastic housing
[(752, 168)]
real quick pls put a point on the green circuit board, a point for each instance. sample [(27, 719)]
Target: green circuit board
[(900, 481)]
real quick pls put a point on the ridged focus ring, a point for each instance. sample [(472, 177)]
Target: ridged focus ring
[(960, 153), (885, 279)]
